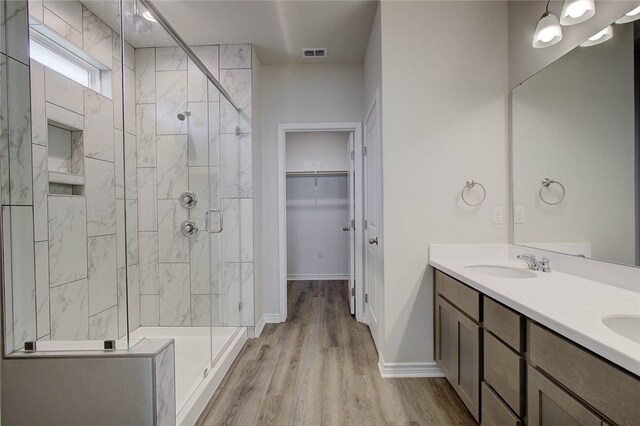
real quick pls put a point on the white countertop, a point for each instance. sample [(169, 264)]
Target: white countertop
[(570, 305)]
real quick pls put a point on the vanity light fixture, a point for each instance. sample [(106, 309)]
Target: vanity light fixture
[(599, 37), (576, 11), (630, 16), (548, 32)]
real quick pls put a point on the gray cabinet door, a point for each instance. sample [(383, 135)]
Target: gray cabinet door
[(445, 338), (550, 405), (467, 354)]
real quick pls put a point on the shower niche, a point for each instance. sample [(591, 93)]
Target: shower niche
[(65, 159)]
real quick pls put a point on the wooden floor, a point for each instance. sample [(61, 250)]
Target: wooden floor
[(320, 367)]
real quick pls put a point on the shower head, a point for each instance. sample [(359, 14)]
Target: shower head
[(183, 115)]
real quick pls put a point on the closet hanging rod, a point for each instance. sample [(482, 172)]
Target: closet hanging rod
[(190, 53), (319, 173)]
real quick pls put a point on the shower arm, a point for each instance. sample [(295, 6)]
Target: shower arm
[(167, 26)]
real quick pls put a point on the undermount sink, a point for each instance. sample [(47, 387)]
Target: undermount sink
[(625, 325), (501, 271)]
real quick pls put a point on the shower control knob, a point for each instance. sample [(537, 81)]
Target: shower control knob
[(188, 199), (189, 228)]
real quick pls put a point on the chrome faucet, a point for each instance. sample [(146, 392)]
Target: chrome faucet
[(535, 264)]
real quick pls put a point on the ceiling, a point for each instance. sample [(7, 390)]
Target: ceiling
[(278, 29)]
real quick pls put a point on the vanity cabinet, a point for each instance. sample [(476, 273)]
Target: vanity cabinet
[(510, 370), (457, 339)]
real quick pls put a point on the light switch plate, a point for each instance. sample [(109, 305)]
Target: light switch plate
[(518, 215), (498, 216)]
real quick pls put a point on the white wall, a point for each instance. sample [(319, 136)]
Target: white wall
[(524, 60), (328, 150), (298, 94), (574, 122), (445, 121)]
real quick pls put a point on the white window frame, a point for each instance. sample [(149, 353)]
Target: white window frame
[(94, 80)]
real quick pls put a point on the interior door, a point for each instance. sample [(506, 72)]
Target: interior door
[(372, 216), (350, 227)]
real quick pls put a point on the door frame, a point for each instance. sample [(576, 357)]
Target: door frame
[(283, 129)]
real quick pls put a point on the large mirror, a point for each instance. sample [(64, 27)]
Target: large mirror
[(576, 151)]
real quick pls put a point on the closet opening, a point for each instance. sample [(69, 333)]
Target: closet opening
[(321, 191)]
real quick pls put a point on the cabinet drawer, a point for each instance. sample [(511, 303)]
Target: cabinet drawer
[(605, 387), (465, 298), (508, 325), (504, 371), (494, 411)]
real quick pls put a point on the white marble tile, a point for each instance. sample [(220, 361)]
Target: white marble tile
[(214, 133), (198, 82), (69, 11), (63, 92), (67, 239), (103, 289), (171, 99), (104, 325), (237, 177), (120, 234), (18, 108), (200, 310), (122, 304), (96, 38), (23, 279), (175, 297), (132, 232), (237, 82), (231, 298), (64, 116), (6, 275), (5, 197), (148, 264), (134, 297), (198, 134), (115, 38), (42, 287), (166, 387), (205, 260), (130, 170), (116, 93), (38, 105), (3, 46), (101, 197), (246, 290), (145, 60), (35, 10), (129, 56), (149, 310), (237, 237), (172, 245), (205, 182), (40, 191), (171, 59), (118, 154), (148, 200), (129, 100), (173, 163), (235, 56), (16, 30), (70, 311), (98, 126), (146, 135), (61, 27)]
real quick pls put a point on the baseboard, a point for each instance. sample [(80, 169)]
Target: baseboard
[(272, 318), (408, 369), (259, 326), (321, 277)]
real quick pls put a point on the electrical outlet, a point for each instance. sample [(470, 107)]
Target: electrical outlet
[(518, 214), (498, 217), (320, 253)]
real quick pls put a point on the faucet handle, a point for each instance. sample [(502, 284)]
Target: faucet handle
[(544, 263)]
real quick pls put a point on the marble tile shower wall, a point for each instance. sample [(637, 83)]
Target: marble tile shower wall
[(78, 232), (185, 281)]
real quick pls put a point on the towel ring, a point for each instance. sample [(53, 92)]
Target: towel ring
[(546, 182), (469, 185)]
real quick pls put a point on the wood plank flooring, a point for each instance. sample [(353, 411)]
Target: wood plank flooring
[(320, 367)]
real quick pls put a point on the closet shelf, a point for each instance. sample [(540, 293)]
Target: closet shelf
[(319, 173), (65, 178)]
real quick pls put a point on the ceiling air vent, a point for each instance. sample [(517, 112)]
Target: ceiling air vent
[(314, 53)]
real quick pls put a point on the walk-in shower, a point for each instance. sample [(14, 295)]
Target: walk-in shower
[(125, 120)]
